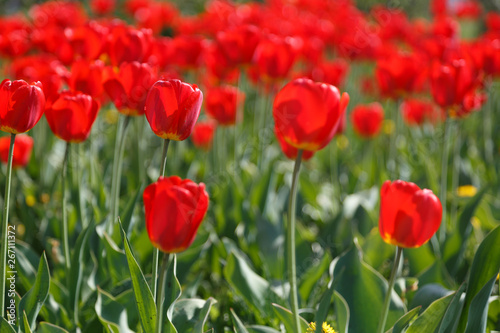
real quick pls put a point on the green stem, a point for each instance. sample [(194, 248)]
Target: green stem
[(154, 276), (290, 253), (64, 221), (161, 293), (444, 177), (117, 172), (392, 280), (5, 223)]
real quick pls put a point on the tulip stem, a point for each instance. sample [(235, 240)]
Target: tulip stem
[(392, 280), (117, 172), (5, 224), (161, 293), (444, 177), (64, 221), (154, 276), (292, 270)]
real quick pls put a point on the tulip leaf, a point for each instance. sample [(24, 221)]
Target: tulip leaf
[(428, 294), (143, 296), (478, 312), (430, 319), (50, 328), (129, 210), (342, 312), (286, 317), (190, 315), (486, 263), (172, 293), (405, 320), (261, 329), (5, 326), (33, 301), (116, 260), (112, 314), (26, 324), (238, 324), (360, 281), (324, 305), (452, 313)]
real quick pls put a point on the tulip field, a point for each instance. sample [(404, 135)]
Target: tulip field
[(276, 166)]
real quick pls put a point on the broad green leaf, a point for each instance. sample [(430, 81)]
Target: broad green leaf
[(172, 293), (126, 218), (116, 260), (452, 313), (428, 294), (429, 320), (486, 263), (26, 324), (261, 329), (494, 313), (190, 315), (342, 312), (49, 328), (5, 326), (112, 314), (478, 312), (361, 282), (143, 296), (436, 273), (286, 317), (238, 325), (405, 320), (419, 259), (324, 305), (312, 275), (33, 301), (248, 284)]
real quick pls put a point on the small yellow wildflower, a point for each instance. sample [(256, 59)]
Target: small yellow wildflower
[(342, 142), (30, 200), (388, 126), (325, 328), (111, 116), (466, 191)]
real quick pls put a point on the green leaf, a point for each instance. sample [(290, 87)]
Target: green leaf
[(116, 260), (404, 321), (33, 301), (129, 210), (5, 326), (112, 314), (286, 317), (238, 325), (49, 328), (172, 293), (429, 320), (143, 296), (364, 290), (428, 294), (312, 275), (248, 284), (190, 315), (486, 263), (26, 324), (261, 329), (452, 313), (324, 305), (478, 312), (342, 312)]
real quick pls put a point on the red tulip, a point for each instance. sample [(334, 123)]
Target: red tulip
[(102, 7), (222, 103), (399, 74), (88, 41), (273, 58), (126, 44), (22, 150), (290, 151), (307, 113), (21, 105), (332, 72), (409, 216), (203, 134), (238, 45), (86, 77), (72, 115), (174, 210), (172, 108), (128, 88), (417, 112), (367, 119), (15, 36)]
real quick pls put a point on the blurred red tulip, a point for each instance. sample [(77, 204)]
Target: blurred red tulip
[(72, 115), (88, 41), (409, 216), (238, 45), (15, 39), (172, 108), (127, 44), (203, 134), (21, 105), (22, 150), (86, 77), (273, 58), (102, 7), (222, 103), (367, 119), (62, 14), (331, 72), (290, 151), (417, 112), (307, 113), (187, 51), (468, 9), (450, 82), (174, 210), (128, 88)]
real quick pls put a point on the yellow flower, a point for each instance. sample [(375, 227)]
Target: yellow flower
[(325, 328), (388, 126), (466, 191)]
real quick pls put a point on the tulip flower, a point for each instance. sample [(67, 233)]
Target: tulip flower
[(174, 210), (203, 134), (21, 105), (172, 108), (86, 77), (222, 103), (128, 88), (399, 74), (367, 119), (72, 115), (273, 58), (22, 153), (416, 112), (102, 7), (307, 113), (290, 151), (126, 44), (409, 216)]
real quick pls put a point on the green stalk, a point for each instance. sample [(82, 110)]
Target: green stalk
[(5, 223), (290, 253), (444, 177), (156, 251), (117, 172), (64, 221), (161, 293), (387, 300)]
